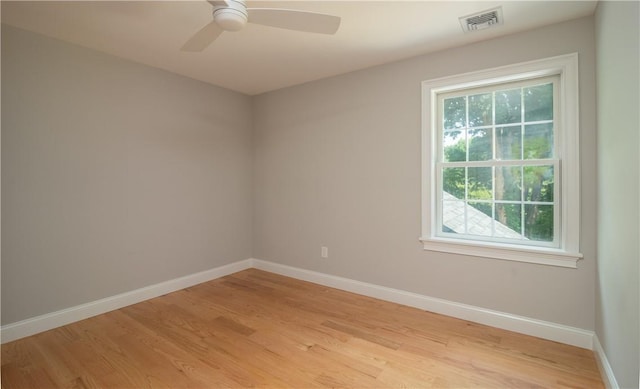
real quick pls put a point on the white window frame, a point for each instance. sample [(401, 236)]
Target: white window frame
[(553, 161), (566, 133)]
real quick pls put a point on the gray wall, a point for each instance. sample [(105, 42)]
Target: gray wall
[(617, 317), (114, 175), (337, 164)]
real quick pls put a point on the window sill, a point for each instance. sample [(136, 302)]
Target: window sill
[(538, 255)]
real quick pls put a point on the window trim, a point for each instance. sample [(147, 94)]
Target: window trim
[(567, 254)]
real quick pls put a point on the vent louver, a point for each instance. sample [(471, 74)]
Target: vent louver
[(482, 20)]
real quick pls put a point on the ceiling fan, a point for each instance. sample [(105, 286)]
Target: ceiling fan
[(233, 15)]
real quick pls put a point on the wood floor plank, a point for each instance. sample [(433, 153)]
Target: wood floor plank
[(262, 330)]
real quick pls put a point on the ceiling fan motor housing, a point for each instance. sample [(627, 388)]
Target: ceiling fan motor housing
[(232, 17)]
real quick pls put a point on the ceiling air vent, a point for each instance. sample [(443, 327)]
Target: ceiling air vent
[(482, 20)]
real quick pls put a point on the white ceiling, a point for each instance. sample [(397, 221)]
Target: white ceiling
[(260, 59)]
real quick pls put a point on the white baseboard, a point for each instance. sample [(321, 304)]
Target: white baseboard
[(56, 319), (524, 325), (604, 366), (542, 329)]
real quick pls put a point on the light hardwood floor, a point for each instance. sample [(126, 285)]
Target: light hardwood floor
[(257, 329)]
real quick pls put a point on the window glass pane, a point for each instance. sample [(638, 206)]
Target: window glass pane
[(480, 110), (508, 220), (538, 141), (509, 183), (497, 149), (480, 145), (508, 106), (453, 219), (455, 146), (538, 183), (538, 103), (479, 219), (455, 113), (509, 143), (538, 224), (453, 181), (480, 183)]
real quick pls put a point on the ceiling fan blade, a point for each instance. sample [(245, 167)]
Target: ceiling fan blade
[(295, 20), (203, 38)]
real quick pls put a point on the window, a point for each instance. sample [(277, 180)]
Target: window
[(501, 165)]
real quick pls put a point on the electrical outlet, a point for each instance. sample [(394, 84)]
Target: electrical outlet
[(324, 252)]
